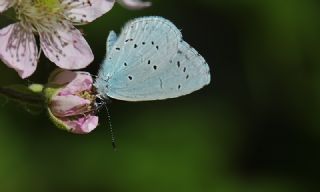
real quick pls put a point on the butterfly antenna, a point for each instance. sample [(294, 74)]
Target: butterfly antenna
[(111, 130)]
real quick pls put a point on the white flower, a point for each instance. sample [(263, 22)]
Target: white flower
[(53, 21), (134, 4)]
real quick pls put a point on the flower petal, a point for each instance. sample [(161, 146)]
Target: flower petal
[(75, 82), (68, 105), (83, 125), (66, 47), (82, 82), (85, 11), (61, 77), (18, 49), (6, 4), (134, 4)]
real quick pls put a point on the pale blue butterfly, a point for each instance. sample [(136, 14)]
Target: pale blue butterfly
[(150, 61)]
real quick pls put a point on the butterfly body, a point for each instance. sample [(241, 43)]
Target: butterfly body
[(150, 61)]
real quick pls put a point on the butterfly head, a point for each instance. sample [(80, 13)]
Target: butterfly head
[(101, 85)]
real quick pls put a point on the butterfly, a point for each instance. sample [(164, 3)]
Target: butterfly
[(150, 61)]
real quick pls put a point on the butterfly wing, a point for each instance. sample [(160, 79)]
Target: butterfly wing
[(150, 61), (112, 38)]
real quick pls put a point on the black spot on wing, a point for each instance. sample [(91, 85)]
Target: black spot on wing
[(161, 83)]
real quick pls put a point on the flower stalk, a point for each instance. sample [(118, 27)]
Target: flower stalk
[(22, 94), (69, 98)]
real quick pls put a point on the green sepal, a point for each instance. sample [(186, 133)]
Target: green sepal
[(57, 122), (36, 88), (49, 92), (52, 89)]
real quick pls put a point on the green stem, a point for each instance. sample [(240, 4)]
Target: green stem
[(22, 97)]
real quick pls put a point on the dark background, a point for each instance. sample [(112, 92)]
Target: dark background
[(254, 128)]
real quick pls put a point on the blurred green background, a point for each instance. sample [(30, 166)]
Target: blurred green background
[(254, 128)]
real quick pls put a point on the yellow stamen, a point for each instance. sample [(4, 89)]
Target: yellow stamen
[(52, 5), (39, 14)]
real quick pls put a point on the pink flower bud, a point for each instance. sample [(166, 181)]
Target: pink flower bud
[(71, 101)]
